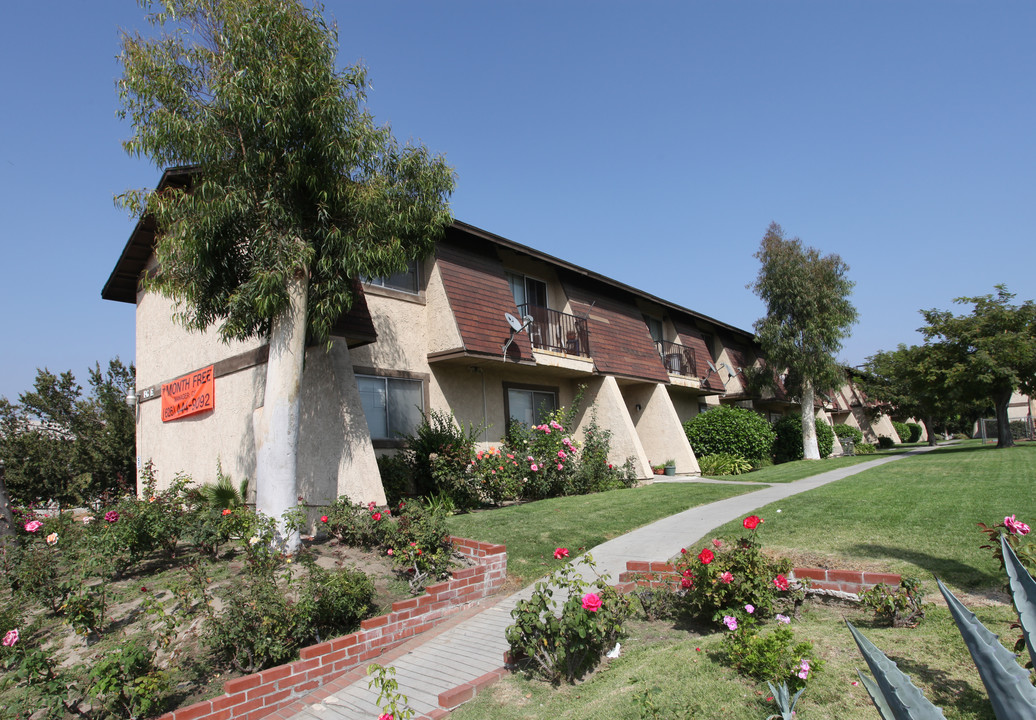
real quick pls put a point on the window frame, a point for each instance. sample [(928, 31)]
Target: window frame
[(382, 374), (509, 386), (414, 268)]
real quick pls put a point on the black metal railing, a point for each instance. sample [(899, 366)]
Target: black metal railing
[(557, 331), (678, 359)]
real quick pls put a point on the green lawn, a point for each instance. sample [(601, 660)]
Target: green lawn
[(915, 516), (532, 531), (791, 471)]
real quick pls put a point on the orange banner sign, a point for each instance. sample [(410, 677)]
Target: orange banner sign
[(188, 395)]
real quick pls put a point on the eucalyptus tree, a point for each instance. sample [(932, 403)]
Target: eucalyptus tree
[(297, 191), (808, 314)]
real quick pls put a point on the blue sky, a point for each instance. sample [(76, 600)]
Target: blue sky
[(652, 142)]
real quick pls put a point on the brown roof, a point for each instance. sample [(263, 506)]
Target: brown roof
[(620, 343), (479, 295), (691, 337)]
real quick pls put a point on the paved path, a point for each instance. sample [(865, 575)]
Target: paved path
[(469, 650)]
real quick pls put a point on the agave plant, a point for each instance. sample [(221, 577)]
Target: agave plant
[(785, 701), (1010, 691)]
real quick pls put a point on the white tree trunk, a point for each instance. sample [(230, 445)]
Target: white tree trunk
[(810, 451), (277, 433)]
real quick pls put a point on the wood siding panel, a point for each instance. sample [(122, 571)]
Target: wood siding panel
[(479, 295), (691, 337)]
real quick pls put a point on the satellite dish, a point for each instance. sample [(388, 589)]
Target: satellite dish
[(712, 367), (514, 322)]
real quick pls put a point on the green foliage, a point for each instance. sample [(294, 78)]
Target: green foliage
[(438, 452), (396, 478), (885, 442), (785, 701), (391, 702), (293, 174), (808, 312), (865, 449), (419, 545), (988, 354), (915, 432), (58, 445), (1009, 687), (564, 643), (900, 607), (730, 430), (357, 524), (848, 431), (128, 683), (788, 445), (772, 655), (902, 430), (340, 599), (725, 576), (222, 494), (723, 464)]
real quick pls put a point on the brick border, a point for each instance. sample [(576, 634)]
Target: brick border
[(265, 693)]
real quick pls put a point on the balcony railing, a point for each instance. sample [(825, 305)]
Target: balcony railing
[(557, 331), (678, 359)]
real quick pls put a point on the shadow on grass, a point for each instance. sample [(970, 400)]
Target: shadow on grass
[(956, 573), (945, 691)]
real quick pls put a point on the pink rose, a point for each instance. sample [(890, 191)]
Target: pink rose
[(112, 516), (560, 553), (390, 551), (591, 602), (33, 526), (749, 609), (717, 543), (534, 467), (386, 716), (730, 621), (1015, 526), (10, 638), (780, 582), (727, 577)]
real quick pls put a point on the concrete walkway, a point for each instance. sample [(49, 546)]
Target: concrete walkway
[(468, 652)]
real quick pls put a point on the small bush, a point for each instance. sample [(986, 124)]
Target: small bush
[(788, 445), (341, 599), (357, 524), (440, 438), (915, 432), (902, 429), (723, 464), (848, 431), (865, 449), (885, 442), (730, 430), (396, 478), (773, 656), (902, 607)]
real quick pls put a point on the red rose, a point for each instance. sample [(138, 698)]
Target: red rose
[(781, 582), (376, 516), (751, 522), (560, 553), (323, 518), (706, 556), (685, 583), (227, 511)]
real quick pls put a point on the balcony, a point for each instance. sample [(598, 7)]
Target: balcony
[(557, 331), (678, 359)]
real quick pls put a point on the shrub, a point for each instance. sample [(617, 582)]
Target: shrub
[(788, 445), (725, 576), (419, 545), (902, 429), (438, 437), (396, 478), (915, 432), (593, 472), (730, 430), (723, 464), (773, 656), (357, 524), (340, 600), (128, 683), (885, 442), (864, 449), (566, 646), (902, 607), (848, 431)]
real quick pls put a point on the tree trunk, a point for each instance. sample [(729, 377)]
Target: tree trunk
[(929, 426), (6, 518), (810, 451), (277, 431), (1003, 425)]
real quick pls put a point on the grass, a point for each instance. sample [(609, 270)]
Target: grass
[(532, 531), (791, 471), (914, 516)]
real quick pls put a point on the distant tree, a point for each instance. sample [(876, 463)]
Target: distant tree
[(988, 354), (808, 314), (58, 445), (297, 191), (911, 382)]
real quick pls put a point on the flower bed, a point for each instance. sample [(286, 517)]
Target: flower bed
[(260, 694)]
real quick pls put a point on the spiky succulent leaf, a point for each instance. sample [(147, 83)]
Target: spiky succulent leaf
[(1007, 684), (901, 697), (875, 692), (1023, 590)]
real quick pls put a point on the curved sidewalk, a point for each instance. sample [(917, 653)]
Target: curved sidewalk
[(445, 667)]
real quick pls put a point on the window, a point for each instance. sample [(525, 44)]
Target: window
[(655, 328), (408, 281), (393, 406), (527, 290), (530, 406)]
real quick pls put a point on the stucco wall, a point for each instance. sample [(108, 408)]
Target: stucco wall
[(658, 426)]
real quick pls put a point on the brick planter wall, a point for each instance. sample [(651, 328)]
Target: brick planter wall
[(261, 694), (660, 574)]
